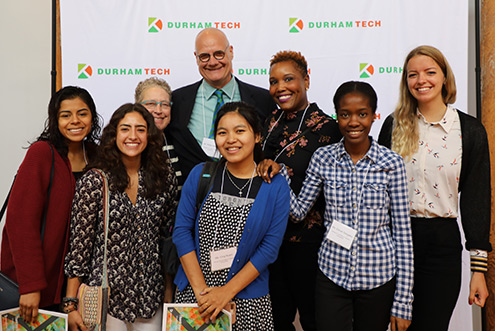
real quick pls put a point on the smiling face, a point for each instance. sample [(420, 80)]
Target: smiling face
[(132, 136), (288, 86), (235, 139), (216, 72), (355, 117), (74, 120), (160, 112), (425, 80)]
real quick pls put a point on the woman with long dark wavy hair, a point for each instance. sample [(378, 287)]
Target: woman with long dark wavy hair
[(142, 199), (67, 143)]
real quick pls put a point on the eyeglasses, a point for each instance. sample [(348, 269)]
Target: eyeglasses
[(218, 55), (152, 104)]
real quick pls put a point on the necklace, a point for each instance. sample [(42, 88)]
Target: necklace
[(239, 188), (297, 132)]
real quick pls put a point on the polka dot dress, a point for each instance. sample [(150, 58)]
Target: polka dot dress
[(225, 214)]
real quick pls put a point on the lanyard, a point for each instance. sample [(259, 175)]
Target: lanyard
[(275, 124), (166, 147), (243, 206)]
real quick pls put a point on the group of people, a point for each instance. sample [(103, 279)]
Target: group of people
[(234, 173)]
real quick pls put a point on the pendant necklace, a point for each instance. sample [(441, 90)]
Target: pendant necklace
[(239, 188)]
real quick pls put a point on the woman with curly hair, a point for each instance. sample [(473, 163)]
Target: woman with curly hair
[(65, 146), (446, 153), (291, 135), (142, 199)]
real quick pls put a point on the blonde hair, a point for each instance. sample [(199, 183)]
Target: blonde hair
[(151, 82), (405, 133)]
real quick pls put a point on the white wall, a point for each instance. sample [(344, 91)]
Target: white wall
[(25, 58)]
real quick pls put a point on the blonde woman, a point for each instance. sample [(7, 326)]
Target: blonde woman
[(446, 153)]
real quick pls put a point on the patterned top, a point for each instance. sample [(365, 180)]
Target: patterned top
[(284, 133), (134, 271), (225, 213), (370, 197), (433, 171)]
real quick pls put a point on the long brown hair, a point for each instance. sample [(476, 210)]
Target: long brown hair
[(154, 161)]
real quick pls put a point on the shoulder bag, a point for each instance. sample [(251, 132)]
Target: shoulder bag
[(93, 300)]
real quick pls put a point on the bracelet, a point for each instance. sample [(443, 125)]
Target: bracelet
[(69, 307), (70, 299)]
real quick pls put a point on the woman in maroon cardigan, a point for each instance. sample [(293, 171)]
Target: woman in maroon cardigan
[(71, 130)]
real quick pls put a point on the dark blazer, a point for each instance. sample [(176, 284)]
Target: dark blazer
[(474, 181), (187, 148)]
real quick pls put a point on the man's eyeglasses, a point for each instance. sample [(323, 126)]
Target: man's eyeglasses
[(218, 55), (151, 104)]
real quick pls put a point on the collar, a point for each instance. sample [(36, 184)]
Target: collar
[(372, 154), (447, 121), (228, 89)]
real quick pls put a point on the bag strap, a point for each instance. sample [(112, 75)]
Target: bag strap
[(4, 207), (45, 208), (205, 181), (104, 276)]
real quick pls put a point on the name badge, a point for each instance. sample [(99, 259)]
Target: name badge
[(341, 234), (222, 258), (210, 148)]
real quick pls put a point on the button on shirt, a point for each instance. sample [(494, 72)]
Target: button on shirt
[(361, 196), (433, 171)]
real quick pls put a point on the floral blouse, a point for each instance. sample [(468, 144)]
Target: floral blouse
[(284, 143), (135, 274)]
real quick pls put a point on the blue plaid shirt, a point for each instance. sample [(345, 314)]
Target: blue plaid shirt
[(371, 197)]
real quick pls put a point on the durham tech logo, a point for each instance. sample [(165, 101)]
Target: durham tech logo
[(366, 70), (295, 25), (154, 24), (84, 71)]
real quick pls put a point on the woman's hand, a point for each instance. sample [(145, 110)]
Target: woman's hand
[(399, 324), (76, 322), (213, 300), (267, 169), (478, 290), (28, 306)]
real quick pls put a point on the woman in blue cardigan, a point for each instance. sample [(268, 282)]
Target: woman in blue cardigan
[(226, 247)]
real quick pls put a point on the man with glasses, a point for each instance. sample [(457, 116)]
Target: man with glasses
[(194, 106)]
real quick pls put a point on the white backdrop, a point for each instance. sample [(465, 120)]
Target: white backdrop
[(108, 47), (110, 42)]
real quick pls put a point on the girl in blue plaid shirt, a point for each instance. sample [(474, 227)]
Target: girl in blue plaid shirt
[(365, 259)]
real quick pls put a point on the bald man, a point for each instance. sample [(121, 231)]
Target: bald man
[(194, 105)]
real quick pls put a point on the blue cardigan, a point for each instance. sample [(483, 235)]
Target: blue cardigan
[(261, 238)]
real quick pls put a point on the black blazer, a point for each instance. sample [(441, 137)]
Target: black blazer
[(187, 148), (474, 181)]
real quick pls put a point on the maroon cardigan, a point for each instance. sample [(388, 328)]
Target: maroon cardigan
[(33, 267)]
